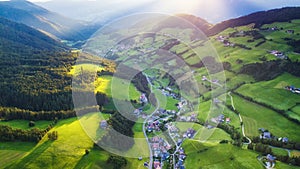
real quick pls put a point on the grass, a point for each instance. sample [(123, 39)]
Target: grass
[(165, 102), (23, 124), (65, 152), (220, 156), (279, 151), (13, 151), (256, 116), (296, 109), (122, 89), (251, 126), (281, 99), (95, 159), (203, 134), (90, 124), (280, 165), (91, 68)]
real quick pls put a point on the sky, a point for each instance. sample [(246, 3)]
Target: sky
[(213, 11)]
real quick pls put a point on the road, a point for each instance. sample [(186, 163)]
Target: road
[(241, 120), (144, 127)]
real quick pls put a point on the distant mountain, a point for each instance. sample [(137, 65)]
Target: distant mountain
[(258, 18), (200, 23), (48, 22), (17, 36)]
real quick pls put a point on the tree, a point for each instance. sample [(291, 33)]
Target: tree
[(53, 135), (31, 124), (117, 161), (250, 146)]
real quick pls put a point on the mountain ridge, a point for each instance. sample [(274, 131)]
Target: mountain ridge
[(40, 18)]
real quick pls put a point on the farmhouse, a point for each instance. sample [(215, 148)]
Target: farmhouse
[(266, 135), (278, 54), (157, 164), (103, 124), (290, 31)]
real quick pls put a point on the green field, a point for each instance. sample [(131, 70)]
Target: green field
[(256, 116), (88, 68), (116, 87), (218, 156), (65, 152), (165, 102), (24, 124), (273, 93), (203, 134), (12, 151), (279, 151)]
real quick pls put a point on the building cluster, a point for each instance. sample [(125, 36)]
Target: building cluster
[(293, 89), (221, 119), (160, 151), (265, 134)]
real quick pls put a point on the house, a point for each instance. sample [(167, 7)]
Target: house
[(290, 31), (190, 133), (155, 139), (143, 98), (157, 164), (270, 158), (266, 135), (179, 141), (155, 146), (284, 139), (216, 100), (278, 54), (228, 120), (103, 124), (173, 129)]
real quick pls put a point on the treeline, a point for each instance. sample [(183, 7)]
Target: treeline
[(12, 97), (276, 143), (234, 133), (231, 130), (117, 161), (271, 69), (7, 133), (36, 81), (138, 80), (141, 83), (120, 136), (266, 149), (15, 113), (295, 44)]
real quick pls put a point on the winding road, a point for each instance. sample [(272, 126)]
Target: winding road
[(144, 126), (241, 120)]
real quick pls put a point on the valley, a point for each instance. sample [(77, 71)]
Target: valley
[(153, 94)]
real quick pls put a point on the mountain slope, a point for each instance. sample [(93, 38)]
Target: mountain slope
[(14, 34), (44, 20), (258, 18), (33, 69)]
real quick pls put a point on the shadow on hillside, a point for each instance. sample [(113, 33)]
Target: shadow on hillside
[(34, 154)]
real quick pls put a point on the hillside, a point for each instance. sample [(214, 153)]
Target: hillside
[(32, 67), (258, 18), (49, 22)]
